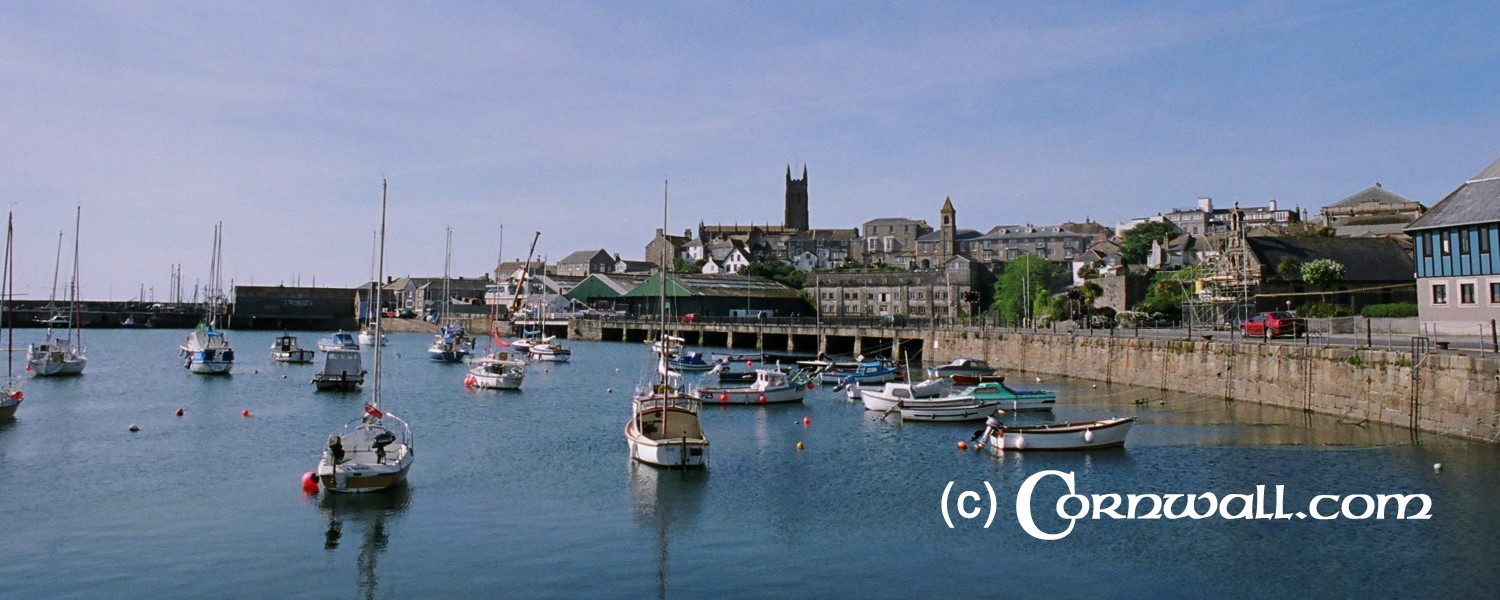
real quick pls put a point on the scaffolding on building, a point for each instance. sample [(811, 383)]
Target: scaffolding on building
[(1225, 297)]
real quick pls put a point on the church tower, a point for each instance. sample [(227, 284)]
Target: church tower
[(796, 201), (948, 231)]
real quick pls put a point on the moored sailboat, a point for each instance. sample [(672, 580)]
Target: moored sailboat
[(205, 350), (375, 452), (10, 389), (64, 355)]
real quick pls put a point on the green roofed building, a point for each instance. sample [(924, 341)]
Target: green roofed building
[(716, 295)]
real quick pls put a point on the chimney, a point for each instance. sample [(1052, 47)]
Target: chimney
[(1205, 204), (1272, 206)]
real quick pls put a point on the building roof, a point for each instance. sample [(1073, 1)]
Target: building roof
[(586, 256), (1374, 194), (1476, 201), (960, 235), (895, 221), (715, 286), (602, 285), (1364, 259)]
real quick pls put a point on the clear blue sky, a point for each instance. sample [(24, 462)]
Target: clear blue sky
[(281, 118)]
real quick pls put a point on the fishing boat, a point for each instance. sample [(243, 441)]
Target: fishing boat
[(771, 387), (62, 355), (690, 361), (451, 344), (338, 341), (1011, 399), (499, 370), (366, 337), (961, 366), (963, 409), (664, 429), (205, 350), (894, 393), (1084, 435), (285, 349), (375, 452), (10, 390), (343, 371)]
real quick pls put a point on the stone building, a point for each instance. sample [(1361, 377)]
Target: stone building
[(1372, 211)]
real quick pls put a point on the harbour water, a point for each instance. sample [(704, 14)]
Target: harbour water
[(531, 494)]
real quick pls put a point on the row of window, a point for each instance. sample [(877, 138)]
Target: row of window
[(1442, 242), (1466, 293)]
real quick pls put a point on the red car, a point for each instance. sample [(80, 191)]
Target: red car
[(1272, 324)]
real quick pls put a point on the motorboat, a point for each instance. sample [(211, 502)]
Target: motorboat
[(771, 386), (496, 371), (338, 341), (1011, 399), (891, 394), (961, 366), (549, 352), (285, 349), (343, 371), (960, 409), (366, 337), (1083, 435), (865, 373), (690, 361), (376, 451)]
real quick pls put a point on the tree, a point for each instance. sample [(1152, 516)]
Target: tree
[(778, 271), (1289, 267), (1322, 273), (1137, 240), (1027, 278)]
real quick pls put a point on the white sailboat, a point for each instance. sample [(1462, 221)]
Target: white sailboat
[(664, 429), (10, 389), (205, 350), (375, 452), (499, 369), (64, 355), (452, 342)]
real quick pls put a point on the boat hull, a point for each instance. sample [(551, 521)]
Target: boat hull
[(949, 412), (782, 395), (363, 468), (293, 356), (666, 453), (494, 382), (8, 408), (338, 384), (669, 434), (544, 355), (53, 367), (1108, 433)]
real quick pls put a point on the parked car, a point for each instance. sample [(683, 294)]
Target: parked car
[(1273, 324)]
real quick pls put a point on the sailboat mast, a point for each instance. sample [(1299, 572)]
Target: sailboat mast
[(56, 268), (6, 291), (77, 315), (380, 276), (661, 297)]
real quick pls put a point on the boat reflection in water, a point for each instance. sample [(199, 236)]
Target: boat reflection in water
[(665, 501), (370, 515)]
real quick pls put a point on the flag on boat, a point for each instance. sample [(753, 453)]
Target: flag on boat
[(374, 412)]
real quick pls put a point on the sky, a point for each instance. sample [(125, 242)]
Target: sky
[(504, 119)]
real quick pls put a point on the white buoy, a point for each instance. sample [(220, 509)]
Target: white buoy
[(1038, 379), (1437, 467), (134, 428)]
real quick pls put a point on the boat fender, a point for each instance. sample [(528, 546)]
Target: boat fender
[(1088, 436)]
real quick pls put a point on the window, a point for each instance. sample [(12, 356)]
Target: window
[(1494, 292), (1484, 240), (1443, 248), (1463, 242), (1466, 293), (1439, 293)]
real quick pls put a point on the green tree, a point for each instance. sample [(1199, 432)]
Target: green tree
[(1137, 240), (1322, 273), (1027, 277), (778, 271), (1289, 267)]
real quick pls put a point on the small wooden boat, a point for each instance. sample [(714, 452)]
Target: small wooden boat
[(867, 372), (961, 366), (771, 387), (1057, 436), (963, 409), (342, 372), (976, 379), (285, 349), (549, 352)]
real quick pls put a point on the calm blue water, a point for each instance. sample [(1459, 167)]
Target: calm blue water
[(531, 494)]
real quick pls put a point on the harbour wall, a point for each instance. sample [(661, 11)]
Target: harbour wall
[(1439, 391)]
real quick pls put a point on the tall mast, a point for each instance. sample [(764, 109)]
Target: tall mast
[(661, 293), (380, 276), (76, 314), (56, 267), (7, 289)]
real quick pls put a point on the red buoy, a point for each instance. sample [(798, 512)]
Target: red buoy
[(245, 413), (811, 386), (723, 397), (762, 399), (179, 412), (310, 482), (748, 363), (807, 420), (962, 445)]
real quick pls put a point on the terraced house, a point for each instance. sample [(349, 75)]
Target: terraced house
[(1458, 272)]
